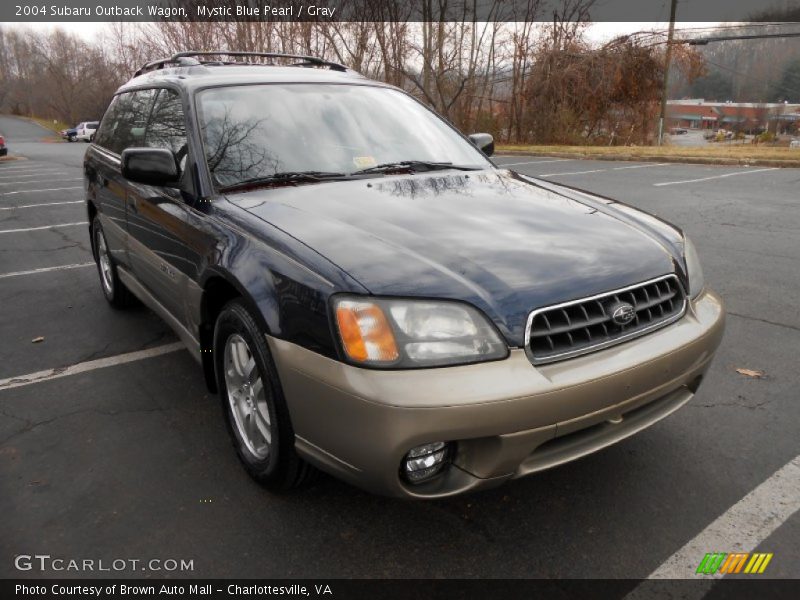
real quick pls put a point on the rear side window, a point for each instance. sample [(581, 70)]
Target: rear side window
[(125, 121), (167, 128), (102, 136)]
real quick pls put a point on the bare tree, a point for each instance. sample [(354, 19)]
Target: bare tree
[(510, 74)]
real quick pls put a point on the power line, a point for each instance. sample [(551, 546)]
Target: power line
[(731, 27), (714, 29), (740, 26), (726, 38)]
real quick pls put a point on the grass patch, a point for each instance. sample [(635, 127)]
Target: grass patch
[(49, 124), (713, 151)]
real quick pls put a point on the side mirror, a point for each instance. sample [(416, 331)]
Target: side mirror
[(484, 142), (151, 166)]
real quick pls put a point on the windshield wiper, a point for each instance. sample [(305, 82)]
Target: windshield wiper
[(285, 178), (414, 165)]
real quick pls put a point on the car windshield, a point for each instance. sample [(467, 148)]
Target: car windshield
[(254, 132)]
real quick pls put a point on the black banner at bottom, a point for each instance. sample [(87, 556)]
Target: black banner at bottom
[(386, 589)]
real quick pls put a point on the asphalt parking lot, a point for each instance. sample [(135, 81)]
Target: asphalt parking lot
[(129, 457)]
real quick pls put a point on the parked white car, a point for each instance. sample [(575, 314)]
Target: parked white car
[(86, 130), (794, 144)]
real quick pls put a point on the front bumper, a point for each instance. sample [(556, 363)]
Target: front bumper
[(508, 418)]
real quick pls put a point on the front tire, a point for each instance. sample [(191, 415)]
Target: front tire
[(114, 290), (252, 399)]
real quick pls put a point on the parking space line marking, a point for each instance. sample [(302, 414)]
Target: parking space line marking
[(716, 176), (27, 167), (741, 528), (91, 365), (43, 204), (46, 270), (640, 166), (603, 170), (32, 175), (35, 181), (570, 173), (534, 162), (77, 187), (43, 227), (26, 170)]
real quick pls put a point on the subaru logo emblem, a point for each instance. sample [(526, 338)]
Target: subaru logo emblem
[(621, 313)]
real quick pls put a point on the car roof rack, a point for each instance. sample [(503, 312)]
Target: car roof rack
[(193, 59)]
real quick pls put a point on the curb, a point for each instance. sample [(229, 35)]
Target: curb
[(697, 160)]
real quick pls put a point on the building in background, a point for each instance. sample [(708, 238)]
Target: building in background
[(748, 117)]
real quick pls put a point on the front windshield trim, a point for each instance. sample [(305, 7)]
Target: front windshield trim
[(197, 112)]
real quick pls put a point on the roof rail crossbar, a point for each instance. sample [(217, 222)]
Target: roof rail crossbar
[(162, 62), (311, 60), (191, 58)]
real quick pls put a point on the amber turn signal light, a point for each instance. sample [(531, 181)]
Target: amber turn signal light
[(365, 332)]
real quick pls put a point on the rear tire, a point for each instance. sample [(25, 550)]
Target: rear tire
[(252, 398), (114, 290)]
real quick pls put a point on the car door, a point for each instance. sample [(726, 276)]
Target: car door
[(106, 184), (157, 215)]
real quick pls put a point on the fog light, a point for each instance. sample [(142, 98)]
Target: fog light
[(423, 462)]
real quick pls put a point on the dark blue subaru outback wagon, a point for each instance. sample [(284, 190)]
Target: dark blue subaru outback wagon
[(369, 294)]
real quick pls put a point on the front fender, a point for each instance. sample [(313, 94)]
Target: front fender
[(288, 299)]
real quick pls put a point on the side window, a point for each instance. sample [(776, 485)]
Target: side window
[(103, 135), (167, 128), (125, 121), (132, 123)]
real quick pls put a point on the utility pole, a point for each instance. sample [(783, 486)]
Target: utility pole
[(667, 60)]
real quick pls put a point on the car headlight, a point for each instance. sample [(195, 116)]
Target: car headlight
[(693, 268), (404, 334)]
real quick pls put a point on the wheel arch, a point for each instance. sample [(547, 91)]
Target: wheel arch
[(219, 287)]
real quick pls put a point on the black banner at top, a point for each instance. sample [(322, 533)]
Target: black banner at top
[(62, 11)]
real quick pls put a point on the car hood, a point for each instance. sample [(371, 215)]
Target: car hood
[(504, 243)]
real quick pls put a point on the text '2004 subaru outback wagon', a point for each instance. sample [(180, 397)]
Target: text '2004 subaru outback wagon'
[(369, 294)]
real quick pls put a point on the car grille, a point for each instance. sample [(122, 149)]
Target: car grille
[(580, 326)]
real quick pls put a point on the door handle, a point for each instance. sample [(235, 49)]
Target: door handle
[(132, 205)]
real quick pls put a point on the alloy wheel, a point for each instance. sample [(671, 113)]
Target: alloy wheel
[(247, 397), (104, 261)]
